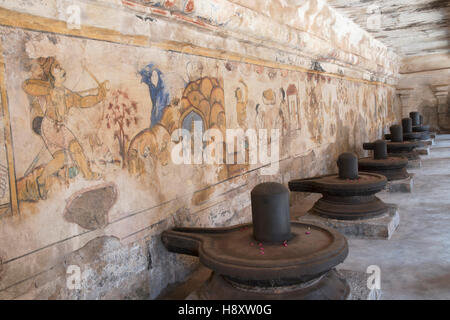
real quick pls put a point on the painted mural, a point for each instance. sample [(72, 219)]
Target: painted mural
[(91, 121), (50, 104)]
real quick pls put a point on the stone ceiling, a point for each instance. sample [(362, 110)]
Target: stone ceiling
[(410, 27)]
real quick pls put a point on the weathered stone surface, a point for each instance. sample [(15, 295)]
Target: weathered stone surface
[(413, 28), (381, 227), (89, 208), (403, 185), (108, 270), (414, 164), (421, 75), (424, 151), (357, 281), (111, 270), (165, 267)]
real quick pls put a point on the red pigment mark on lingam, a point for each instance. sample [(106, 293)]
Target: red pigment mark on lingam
[(307, 232)]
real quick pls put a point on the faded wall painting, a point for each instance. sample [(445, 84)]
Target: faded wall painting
[(79, 120), (50, 104), (5, 199)]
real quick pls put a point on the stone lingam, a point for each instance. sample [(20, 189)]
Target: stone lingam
[(397, 147), (348, 201), (408, 133), (348, 195), (271, 258), (393, 168), (417, 125)]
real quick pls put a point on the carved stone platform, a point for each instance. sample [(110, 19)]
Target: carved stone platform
[(381, 227), (414, 164), (356, 280), (424, 150), (402, 185)]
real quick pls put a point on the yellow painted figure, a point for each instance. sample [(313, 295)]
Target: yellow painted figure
[(58, 138), (241, 105)]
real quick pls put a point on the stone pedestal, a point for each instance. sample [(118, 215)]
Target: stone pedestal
[(424, 150), (403, 185), (414, 164), (356, 280), (381, 227)]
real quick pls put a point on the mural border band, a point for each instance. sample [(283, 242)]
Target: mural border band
[(27, 21)]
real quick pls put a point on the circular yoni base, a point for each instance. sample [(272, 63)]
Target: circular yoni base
[(329, 286), (421, 128), (393, 168), (349, 208), (413, 155), (424, 135)]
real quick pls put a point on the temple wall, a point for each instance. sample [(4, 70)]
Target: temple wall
[(88, 178), (421, 75)]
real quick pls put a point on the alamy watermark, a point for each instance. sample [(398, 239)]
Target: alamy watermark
[(374, 280), (373, 22), (73, 279), (237, 147), (72, 16)]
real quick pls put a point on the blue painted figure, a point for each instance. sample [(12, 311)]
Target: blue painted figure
[(154, 79)]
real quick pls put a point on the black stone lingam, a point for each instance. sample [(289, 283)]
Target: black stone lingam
[(393, 168), (408, 134), (417, 125), (271, 258), (397, 147), (349, 195)]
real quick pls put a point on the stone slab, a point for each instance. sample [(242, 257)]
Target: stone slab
[(403, 185), (357, 281), (381, 227), (414, 164), (424, 151)]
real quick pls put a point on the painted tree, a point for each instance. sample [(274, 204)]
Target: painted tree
[(121, 115)]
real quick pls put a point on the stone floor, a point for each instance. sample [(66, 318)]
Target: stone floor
[(415, 262)]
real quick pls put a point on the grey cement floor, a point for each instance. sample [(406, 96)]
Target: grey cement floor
[(415, 262)]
